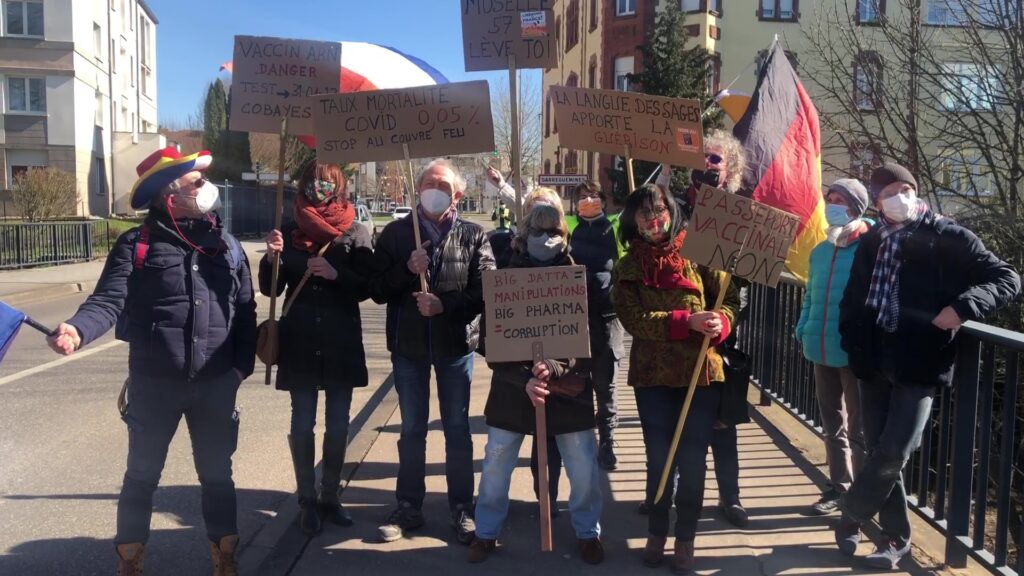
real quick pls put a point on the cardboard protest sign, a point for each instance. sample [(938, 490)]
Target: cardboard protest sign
[(493, 29), (725, 225), (273, 78), (527, 305), (439, 120), (608, 121)]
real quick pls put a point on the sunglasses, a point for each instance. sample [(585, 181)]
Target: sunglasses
[(198, 183), (713, 159)]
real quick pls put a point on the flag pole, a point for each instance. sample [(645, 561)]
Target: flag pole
[(629, 170), (276, 260), (33, 323)]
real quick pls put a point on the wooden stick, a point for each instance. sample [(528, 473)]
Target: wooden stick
[(516, 157), (540, 439), (410, 182), (276, 260), (630, 180)]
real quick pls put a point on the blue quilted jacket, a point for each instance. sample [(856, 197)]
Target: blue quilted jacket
[(818, 327)]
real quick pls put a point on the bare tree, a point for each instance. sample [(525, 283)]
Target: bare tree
[(529, 123), (44, 193)]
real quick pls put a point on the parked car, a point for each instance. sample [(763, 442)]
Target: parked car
[(401, 212), (365, 217)]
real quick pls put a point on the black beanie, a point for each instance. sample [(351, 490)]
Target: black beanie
[(886, 175)]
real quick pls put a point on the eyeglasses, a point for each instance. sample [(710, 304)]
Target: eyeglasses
[(197, 183), (713, 159)]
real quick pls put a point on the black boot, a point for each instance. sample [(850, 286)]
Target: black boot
[(334, 459), (606, 451), (303, 455)]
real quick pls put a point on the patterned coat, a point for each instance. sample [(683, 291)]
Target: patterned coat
[(655, 309)]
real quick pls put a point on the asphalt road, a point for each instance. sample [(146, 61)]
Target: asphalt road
[(63, 448)]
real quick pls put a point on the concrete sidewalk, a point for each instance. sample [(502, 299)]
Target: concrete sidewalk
[(775, 481)]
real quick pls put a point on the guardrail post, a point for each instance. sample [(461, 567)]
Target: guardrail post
[(965, 408), (768, 343)]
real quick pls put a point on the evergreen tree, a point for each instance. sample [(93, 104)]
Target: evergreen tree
[(674, 70), (215, 119), (236, 154), (230, 150)]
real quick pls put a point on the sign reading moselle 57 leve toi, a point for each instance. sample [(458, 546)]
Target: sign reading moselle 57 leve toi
[(494, 29), (273, 78), (527, 305)]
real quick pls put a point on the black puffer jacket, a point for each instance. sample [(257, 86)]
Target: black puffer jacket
[(455, 277), (186, 314), (509, 407), (322, 335), (943, 264)]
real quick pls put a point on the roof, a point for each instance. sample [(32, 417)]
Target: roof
[(149, 11)]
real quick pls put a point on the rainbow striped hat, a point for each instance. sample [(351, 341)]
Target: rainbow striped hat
[(160, 169)]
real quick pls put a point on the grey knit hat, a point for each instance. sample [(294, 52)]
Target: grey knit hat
[(853, 192), (888, 174)]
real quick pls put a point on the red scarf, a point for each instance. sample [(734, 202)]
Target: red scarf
[(662, 265), (320, 224)]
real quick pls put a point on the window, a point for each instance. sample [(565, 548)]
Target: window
[(124, 16), (623, 66), (967, 87), (593, 15), (146, 55), (26, 94), (131, 70), (690, 5), (572, 25), (868, 11), (97, 41), (715, 74), (99, 108), (99, 183), (981, 12), (547, 166), (715, 7), (625, 7), (19, 162), (123, 124), (780, 10), (965, 174), (573, 80), (867, 81), (863, 160), (592, 75), (24, 18), (547, 117)]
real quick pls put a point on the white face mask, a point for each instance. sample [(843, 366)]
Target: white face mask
[(898, 208), (206, 200), (435, 201)]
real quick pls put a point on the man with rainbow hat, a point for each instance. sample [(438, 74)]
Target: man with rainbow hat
[(178, 290)]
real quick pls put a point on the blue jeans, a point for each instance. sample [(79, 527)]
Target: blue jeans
[(659, 408), (894, 416), (412, 381), (155, 407), (338, 402), (579, 454)]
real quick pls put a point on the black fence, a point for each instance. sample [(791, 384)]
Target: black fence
[(24, 245), (966, 479)]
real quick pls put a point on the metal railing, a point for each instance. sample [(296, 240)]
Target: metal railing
[(966, 479), (23, 245)]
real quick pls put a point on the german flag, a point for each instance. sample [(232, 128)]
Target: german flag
[(782, 141)]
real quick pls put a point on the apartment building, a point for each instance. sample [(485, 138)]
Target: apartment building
[(78, 93)]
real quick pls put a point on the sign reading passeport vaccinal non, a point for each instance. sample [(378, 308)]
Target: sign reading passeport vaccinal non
[(609, 121), (527, 305), (494, 29), (561, 179), (439, 120), (273, 79), (726, 226)]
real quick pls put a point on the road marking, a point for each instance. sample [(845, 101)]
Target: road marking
[(58, 362)]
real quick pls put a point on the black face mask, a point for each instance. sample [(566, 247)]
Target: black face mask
[(710, 177)]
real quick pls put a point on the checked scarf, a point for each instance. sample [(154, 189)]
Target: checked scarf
[(884, 293)]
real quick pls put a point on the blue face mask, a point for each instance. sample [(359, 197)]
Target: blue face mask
[(837, 215)]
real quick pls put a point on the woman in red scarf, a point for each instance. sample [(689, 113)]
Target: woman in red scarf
[(320, 332)]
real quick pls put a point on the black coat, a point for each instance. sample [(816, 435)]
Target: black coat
[(455, 277), (322, 335), (509, 407), (184, 314), (943, 264)]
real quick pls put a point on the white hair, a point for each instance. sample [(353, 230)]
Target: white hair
[(459, 183)]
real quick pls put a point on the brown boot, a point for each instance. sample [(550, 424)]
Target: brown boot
[(591, 550), (480, 549), (682, 560), (129, 559), (225, 559), (654, 551)]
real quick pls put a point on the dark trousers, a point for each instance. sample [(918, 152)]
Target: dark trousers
[(894, 416), (337, 403), (725, 451), (603, 373), (155, 408), (659, 408), (412, 381)]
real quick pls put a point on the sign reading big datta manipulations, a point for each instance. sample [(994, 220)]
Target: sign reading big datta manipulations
[(523, 306)]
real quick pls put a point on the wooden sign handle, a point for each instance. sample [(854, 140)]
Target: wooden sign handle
[(276, 259), (410, 186), (540, 440), (698, 369), (630, 179), (515, 152)]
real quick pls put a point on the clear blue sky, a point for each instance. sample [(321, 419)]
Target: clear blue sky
[(194, 39)]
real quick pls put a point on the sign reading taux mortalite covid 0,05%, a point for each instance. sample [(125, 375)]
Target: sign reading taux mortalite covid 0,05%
[(652, 128), (524, 306), (273, 78), (433, 121)]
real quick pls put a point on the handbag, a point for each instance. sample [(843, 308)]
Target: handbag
[(267, 345), (734, 408)]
